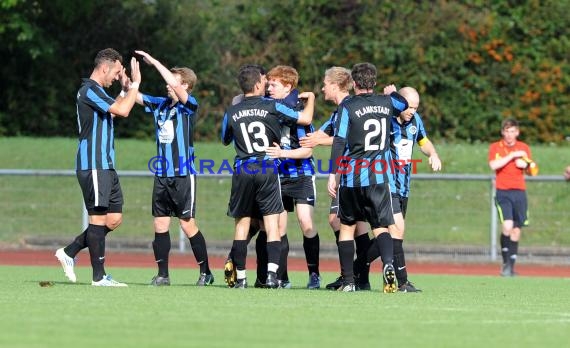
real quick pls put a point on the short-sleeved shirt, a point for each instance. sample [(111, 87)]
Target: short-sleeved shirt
[(364, 121), (329, 126), (508, 177), (253, 125), (290, 135), (174, 128), (96, 148), (403, 136)]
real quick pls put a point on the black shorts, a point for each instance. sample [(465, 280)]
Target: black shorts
[(255, 194), (300, 190), (369, 203), (399, 204), (334, 206), (512, 205), (101, 190), (174, 196)]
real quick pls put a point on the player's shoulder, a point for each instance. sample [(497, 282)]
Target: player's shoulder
[(495, 145)]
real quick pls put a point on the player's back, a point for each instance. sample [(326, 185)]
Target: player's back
[(254, 124), (367, 125)]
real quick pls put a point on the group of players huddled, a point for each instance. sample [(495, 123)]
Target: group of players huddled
[(270, 125)]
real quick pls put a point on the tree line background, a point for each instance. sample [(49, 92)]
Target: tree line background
[(473, 62)]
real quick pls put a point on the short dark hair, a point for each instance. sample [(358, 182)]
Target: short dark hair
[(107, 55), (509, 122), (364, 75), (248, 76)]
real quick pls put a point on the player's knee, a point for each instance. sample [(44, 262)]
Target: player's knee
[(114, 222), (334, 222)]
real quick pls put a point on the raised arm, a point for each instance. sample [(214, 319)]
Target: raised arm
[(123, 106), (167, 75), (306, 115)]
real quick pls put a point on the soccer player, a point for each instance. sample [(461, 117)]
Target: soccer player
[(95, 162), (296, 175), (509, 158), (407, 130), (174, 191), (337, 83), (253, 125), (360, 156)]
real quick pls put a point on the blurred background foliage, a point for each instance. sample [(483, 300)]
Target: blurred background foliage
[(473, 62)]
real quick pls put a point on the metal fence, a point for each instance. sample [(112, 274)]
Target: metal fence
[(457, 209)]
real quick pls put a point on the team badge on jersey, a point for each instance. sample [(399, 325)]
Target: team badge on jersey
[(413, 129)]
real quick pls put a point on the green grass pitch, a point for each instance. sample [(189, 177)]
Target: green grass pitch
[(453, 311)]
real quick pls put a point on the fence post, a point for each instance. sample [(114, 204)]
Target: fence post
[(493, 234), (84, 216), (182, 241)]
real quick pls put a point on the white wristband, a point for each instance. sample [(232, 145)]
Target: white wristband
[(134, 85), (122, 94)]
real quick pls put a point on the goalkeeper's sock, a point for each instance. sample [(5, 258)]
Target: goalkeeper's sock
[(505, 243), (513, 253)]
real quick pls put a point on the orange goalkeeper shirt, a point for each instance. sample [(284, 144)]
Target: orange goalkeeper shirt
[(509, 177)]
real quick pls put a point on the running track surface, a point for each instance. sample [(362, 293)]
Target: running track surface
[(28, 257)]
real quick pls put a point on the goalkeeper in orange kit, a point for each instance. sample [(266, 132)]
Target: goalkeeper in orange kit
[(511, 159)]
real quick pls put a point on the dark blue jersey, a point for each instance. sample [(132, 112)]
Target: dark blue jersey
[(254, 124), (402, 140), (329, 126), (364, 124), (174, 127), (290, 135), (96, 149)]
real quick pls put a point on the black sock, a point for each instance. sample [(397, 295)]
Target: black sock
[(198, 244), (311, 247), (400, 261), (346, 257), (513, 250), (95, 237), (161, 247), (252, 232), (386, 247), (273, 250), (361, 267), (505, 243), (239, 248), (79, 243), (336, 236), (373, 252), (262, 255), (282, 270)]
